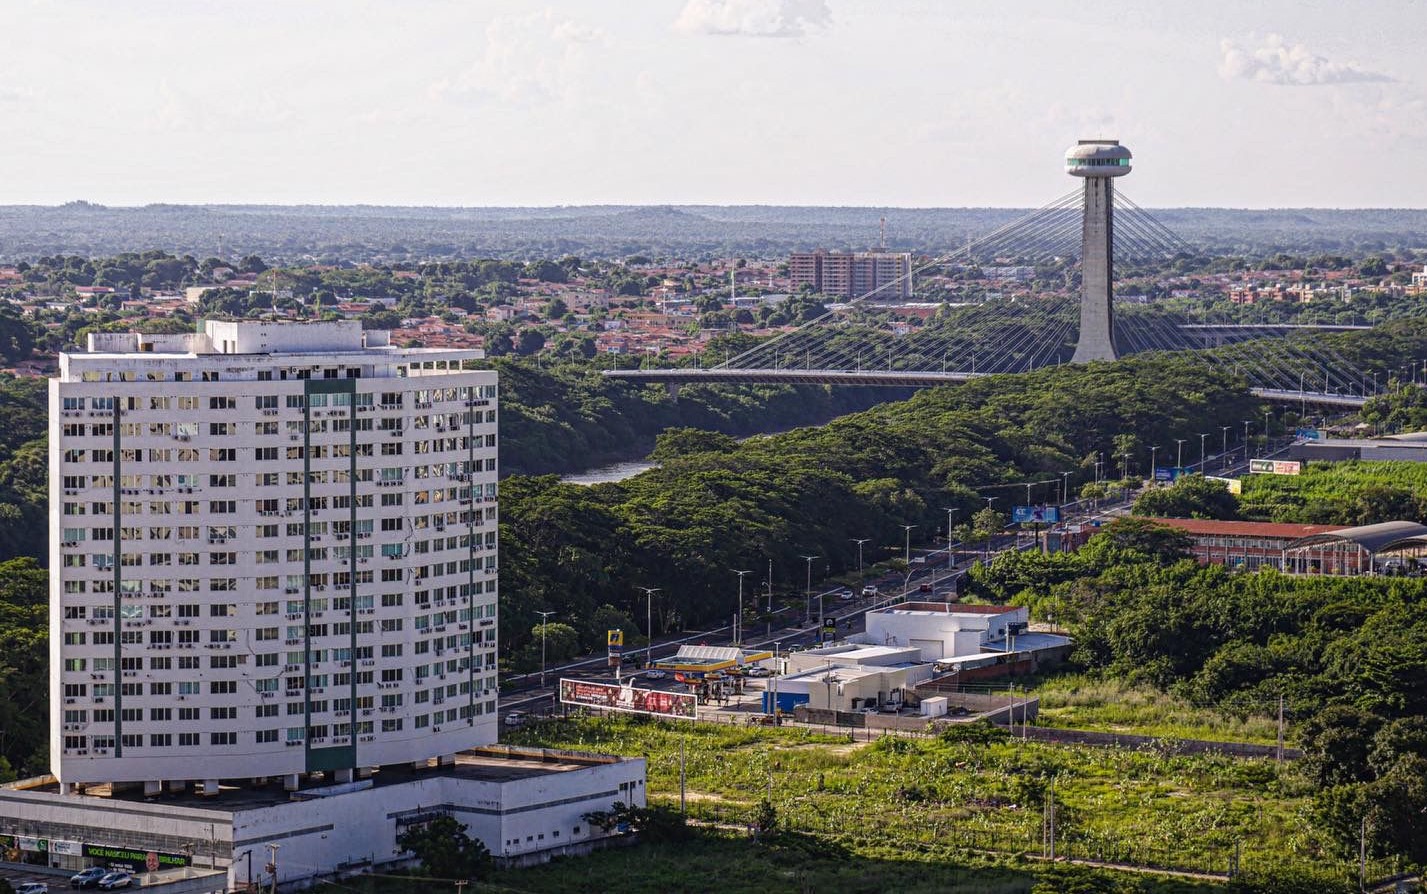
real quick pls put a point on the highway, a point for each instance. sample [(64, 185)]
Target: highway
[(524, 692)]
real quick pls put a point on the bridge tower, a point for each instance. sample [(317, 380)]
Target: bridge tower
[(1098, 162)]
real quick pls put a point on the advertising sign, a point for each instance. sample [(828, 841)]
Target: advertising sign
[(135, 858), (36, 845), (615, 638), (67, 848), (1275, 466), (1038, 515), (1307, 434), (613, 697)]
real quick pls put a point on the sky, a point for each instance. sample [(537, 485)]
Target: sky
[(914, 103)]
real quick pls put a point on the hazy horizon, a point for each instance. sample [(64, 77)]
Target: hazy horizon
[(812, 103)]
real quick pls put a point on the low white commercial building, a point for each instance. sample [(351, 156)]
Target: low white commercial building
[(525, 805), (943, 629)]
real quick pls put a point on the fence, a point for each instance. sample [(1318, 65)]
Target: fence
[(944, 835)]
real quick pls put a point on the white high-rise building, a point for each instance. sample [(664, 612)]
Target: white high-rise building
[(272, 552)]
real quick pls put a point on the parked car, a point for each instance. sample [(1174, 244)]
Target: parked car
[(758, 672), (869, 590), (32, 888), (515, 718), (845, 596), (88, 878), (924, 588), (796, 647), (655, 674), (119, 878)]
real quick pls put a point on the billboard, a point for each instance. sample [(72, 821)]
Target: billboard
[(614, 697), (1171, 473), (1274, 466), (1038, 515), (1307, 434)]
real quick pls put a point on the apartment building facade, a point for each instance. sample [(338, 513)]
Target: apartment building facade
[(886, 276), (272, 552)]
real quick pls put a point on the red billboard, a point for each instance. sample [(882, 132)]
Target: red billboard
[(613, 697)]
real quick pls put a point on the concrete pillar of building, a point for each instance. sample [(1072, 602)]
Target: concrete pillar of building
[(177, 786), (66, 788), (364, 772), (153, 788), (291, 782), (1097, 315), (446, 760), (342, 776), (208, 788)]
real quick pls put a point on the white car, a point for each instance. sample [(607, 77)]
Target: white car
[(515, 718), (116, 879), (32, 888), (655, 674), (869, 590), (758, 672)]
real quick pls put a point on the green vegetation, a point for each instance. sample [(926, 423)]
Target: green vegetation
[(445, 851), (1348, 654), (1105, 703), (1344, 493), (716, 505), (567, 417), (899, 800)]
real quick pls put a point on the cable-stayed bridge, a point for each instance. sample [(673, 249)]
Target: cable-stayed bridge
[(1090, 231)]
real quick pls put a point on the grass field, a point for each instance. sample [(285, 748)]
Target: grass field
[(894, 799), (1077, 701)]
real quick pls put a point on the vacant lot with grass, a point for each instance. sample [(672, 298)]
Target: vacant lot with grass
[(895, 800)]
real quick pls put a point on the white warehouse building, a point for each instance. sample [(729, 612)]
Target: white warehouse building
[(272, 553)]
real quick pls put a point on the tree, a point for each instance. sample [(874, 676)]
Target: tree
[(765, 819), (445, 851), (529, 342), (1140, 535), (556, 309), (1192, 496)]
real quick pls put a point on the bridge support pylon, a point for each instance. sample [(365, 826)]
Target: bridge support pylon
[(1099, 162)]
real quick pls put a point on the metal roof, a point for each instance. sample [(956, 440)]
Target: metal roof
[(1371, 538)]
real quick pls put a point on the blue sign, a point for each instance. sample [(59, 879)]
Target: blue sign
[(1307, 434), (1038, 515), (1171, 473)]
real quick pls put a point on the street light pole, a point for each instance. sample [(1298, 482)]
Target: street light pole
[(544, 621), (1224, 446), (1202, 436), (1153, 451), (859, 541), (1246, 440), (949, 512), (808, 591), (738, 632), (1179, 453), (907, 530), (1065, 487), (649, 622)]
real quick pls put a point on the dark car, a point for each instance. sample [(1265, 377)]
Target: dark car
[(88, 878), (924, 588)]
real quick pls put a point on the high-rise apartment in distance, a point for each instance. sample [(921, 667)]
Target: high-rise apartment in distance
[(272, 553), (885, 275)]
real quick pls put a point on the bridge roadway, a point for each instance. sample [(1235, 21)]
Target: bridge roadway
[(907, 378)]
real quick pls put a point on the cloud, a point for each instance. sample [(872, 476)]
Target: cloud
[(753, 18), (1275, 61), (527, 60)]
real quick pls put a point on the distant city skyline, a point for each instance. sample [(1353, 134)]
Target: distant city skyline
[(912, 103)]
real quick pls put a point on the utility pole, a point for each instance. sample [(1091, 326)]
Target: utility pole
[(859, 541), (272, 863), (1279, 753), (1224, 446), (808, 588), (544, 621), (683, 775), (1179, 453), (1153, 451), (649, 622), (1363, 854), (1202, 436), (907, 529), (738, 631)]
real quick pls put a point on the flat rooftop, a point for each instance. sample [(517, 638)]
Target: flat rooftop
[(946, 608), (492, 763)]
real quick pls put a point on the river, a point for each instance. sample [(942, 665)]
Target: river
[(612, 472)]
